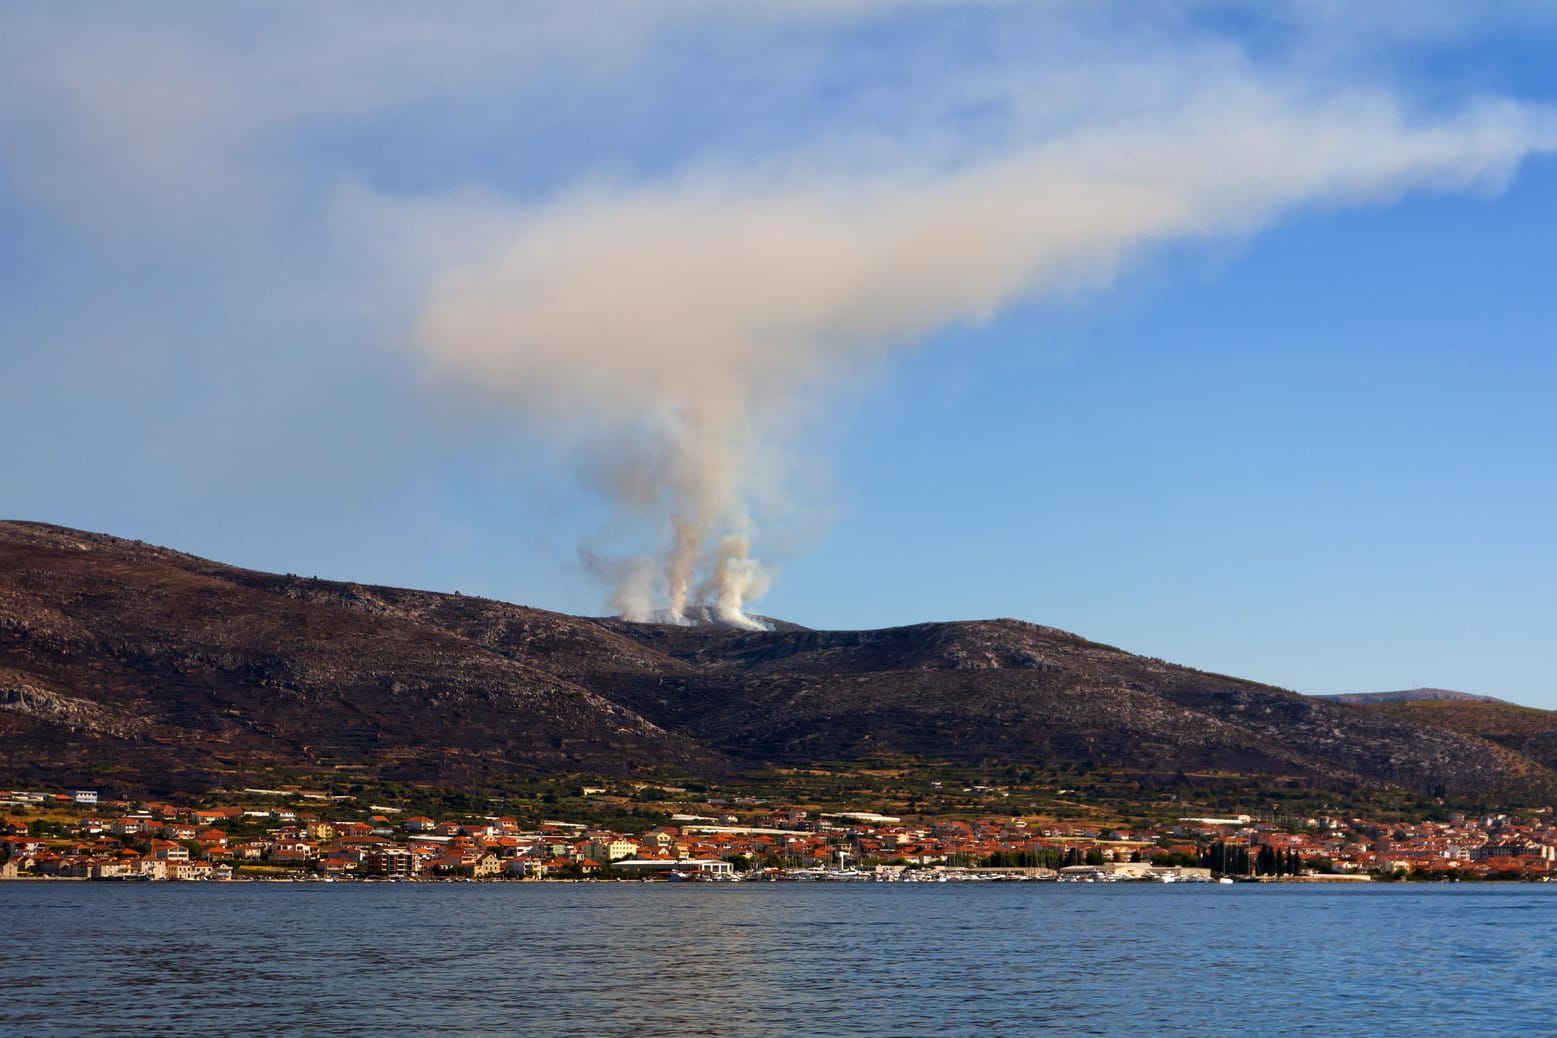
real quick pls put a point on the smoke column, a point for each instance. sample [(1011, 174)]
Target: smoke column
[(660, 331)]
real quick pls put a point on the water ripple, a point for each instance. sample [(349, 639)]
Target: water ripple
[(693, 960)]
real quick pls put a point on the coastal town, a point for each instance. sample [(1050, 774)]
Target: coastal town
[(294, 835)]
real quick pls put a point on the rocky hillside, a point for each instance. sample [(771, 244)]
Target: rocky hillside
[(125, 662), (1007, 690), (118, 659), (1529, 732)]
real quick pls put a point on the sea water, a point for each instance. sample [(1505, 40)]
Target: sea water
[(776, 959)]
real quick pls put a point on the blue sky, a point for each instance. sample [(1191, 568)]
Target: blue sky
[(1220, 332)]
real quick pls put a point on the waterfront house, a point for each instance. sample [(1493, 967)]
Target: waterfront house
[(167, 850)]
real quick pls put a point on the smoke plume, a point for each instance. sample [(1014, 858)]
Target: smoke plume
[(663, 330)]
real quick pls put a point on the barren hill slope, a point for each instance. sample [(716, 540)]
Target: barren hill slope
[(122, 661), (1522, 729), (1006, 690)]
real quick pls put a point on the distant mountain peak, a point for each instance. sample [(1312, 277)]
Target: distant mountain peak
[(1409, 695)]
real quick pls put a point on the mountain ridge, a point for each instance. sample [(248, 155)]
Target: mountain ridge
[(153, 667)]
